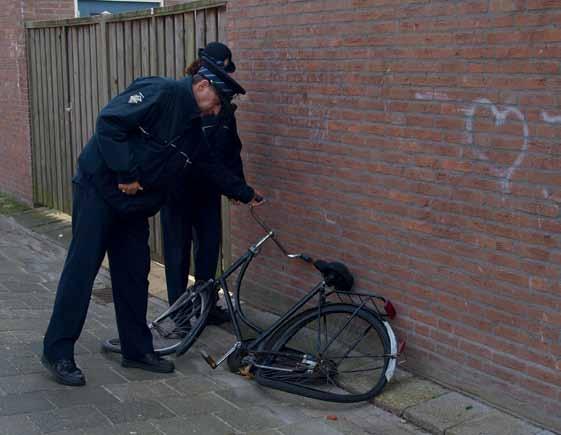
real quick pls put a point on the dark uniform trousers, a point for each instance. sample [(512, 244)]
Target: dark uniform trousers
[(196, 218), (96, 229)]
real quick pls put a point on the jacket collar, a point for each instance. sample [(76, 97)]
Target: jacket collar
[(187, 84)]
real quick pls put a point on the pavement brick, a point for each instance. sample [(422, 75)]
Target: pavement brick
[(133, 374), (495, 424), (387, 424), (244, 397), (345, 426), (87, 395), (137, 428), (27, 365), (23, 324), (310, 427), (264, 432), (192, 385), (134, 410), (26, 403), (142, 390), (66, 419), (18, 425), (199, 405), (397, 397), (104, 376), (28, 383), (196, 425), (444, 412), (289, 414), (7, 368), (251, 419)]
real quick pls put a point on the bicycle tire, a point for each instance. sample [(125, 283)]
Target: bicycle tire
[(283, 349), (192, 307)]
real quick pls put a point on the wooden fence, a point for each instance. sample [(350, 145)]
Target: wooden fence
[(75, 66)]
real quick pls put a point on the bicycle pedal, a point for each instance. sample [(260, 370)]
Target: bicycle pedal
[(209, 360), (245, 371)]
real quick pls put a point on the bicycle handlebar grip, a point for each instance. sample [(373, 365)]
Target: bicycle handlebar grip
[(306, 258), (258, 198)]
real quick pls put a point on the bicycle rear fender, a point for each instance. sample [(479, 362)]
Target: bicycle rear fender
[(393, 344), (390, 371)]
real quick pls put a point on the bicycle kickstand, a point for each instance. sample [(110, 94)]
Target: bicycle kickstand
[(213, 363)]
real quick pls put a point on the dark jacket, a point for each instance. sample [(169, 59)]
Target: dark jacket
[(150, 133), (222, 135)]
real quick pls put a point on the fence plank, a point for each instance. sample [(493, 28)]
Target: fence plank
[(103, 70), (52, 153), (68, 163), (33, 66), (200, 32), (59, 119), (153, 46), (161, 46), (57, 144), (145, 46), (136, 49), (84, 83), (76, 103), (158, 243), (225, 243), (170, 51), (113, 73), (95, 76), (221, 24), (211, 33), (179, 46), (120, 58), (129, 55), (190, 38), (45, 118), (41, 124)]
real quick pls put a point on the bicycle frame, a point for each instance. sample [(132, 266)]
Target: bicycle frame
[(237, 312), (238, 315)]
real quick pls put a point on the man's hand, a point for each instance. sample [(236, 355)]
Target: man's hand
[(131, 188), (257, 200)]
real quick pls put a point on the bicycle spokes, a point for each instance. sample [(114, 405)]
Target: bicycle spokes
[(336, 354)]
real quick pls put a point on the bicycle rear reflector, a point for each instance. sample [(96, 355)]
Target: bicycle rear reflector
[(390, 310)]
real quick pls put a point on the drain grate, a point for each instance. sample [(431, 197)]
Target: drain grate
[(103, 295)]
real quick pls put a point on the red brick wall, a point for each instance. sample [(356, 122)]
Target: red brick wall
[(15, 150), (417, 141)]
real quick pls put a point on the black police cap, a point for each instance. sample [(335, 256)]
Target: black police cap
[(220, 79), (220, 53)]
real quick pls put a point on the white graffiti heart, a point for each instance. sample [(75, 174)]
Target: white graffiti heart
[(500, 118), (550, 118)]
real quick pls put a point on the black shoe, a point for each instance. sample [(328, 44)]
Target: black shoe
[(150, 362), (218, 316), (65, 371)]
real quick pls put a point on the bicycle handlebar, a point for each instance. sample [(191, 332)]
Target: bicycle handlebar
[(268, 230)]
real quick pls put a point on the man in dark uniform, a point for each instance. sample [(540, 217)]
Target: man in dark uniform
[(144, 138), (193, 214)]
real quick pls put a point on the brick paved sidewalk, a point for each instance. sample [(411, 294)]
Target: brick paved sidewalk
[(195, 399)]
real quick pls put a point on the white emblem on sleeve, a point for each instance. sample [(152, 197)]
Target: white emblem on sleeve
[(136, 98)]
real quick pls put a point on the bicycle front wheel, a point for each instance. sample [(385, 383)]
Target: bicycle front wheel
[(175, 328), (339, 355)]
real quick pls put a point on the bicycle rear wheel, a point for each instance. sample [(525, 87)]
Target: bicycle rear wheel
[(341, 355), (177, 326)]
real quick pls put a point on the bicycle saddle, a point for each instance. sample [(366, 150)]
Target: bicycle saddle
[(335, 275)]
